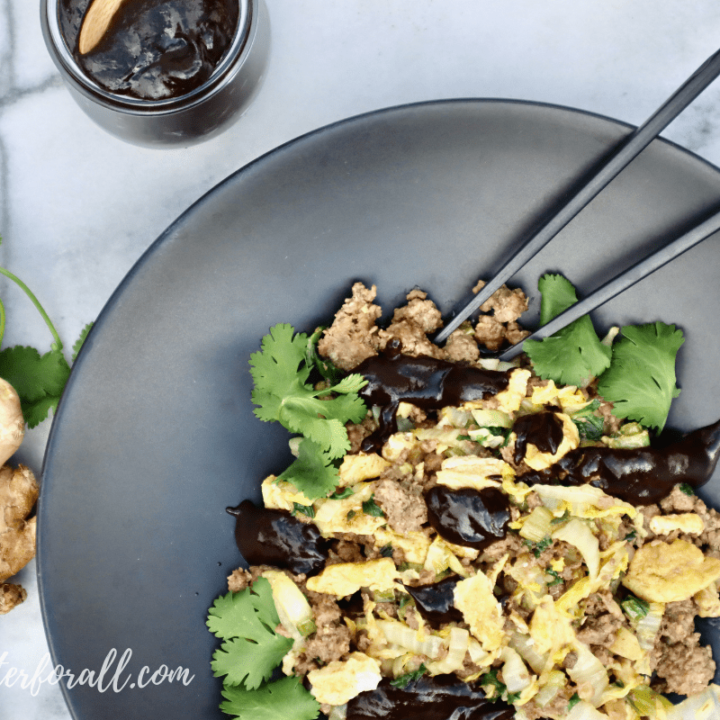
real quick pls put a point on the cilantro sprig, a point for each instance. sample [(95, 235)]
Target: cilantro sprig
[(285, 698), (246, 621), (281, 370), (39, 379), (636, 374), (251, 651), (641, 380), (574, 354)]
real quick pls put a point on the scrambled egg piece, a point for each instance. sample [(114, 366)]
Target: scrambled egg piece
[(398, 443), (569, 397), (482, 612), (669, 572), (346, 515), (510, 399), (440, 557), (343, 579), (281, 495), (708, 602), (551, 631), (342, 680), (689, 523), (414, 544), (356, 468), (470, 471), (571, 439), (627, 645)]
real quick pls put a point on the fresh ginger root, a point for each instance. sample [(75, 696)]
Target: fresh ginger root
[(18, 494)]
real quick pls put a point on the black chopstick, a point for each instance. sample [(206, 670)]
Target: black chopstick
[(628, 149), (621, 282)]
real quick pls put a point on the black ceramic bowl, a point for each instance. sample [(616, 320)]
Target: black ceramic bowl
[(176, 121), (155, 435)]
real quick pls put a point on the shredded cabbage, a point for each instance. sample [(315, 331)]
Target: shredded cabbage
[(577, 533), (589, 674), (515, 675), (398, 633), (703, 706)]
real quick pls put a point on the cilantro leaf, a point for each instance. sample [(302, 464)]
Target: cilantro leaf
[(285, 698), (370, 507), (247, 621), (280, 371), (641, 380), (81, 340), (312, 473), (39, 380), (573, 354)]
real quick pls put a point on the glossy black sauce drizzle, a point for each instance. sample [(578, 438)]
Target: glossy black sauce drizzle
[(275, 537), (474, 518), (436, 602), (643, 476), (544, 430), (426, 382), (440, 698)]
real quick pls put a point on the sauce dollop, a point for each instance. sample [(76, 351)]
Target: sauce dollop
[(436, 602), (544, 430), (154, 49), (643, 476), (426, 382), (474, 518), (440, 698), (275, 537)]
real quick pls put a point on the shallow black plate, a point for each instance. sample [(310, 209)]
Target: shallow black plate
[(155, 435)]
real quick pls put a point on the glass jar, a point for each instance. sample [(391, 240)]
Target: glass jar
[(182, 120)]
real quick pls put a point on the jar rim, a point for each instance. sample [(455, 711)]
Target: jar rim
[(61, 52)]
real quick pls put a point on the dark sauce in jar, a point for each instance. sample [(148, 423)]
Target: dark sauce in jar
[(544, 430), (443, 697), (424, 381), (643, 476), (469, 517), (154, 49), (275, 537)]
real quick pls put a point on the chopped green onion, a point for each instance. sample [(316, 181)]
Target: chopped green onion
[(308, 510), (635, 608), (687, 489), (404, 680)]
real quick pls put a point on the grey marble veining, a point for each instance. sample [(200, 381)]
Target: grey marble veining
[(78, 207)]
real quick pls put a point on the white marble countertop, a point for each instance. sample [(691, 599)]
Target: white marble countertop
[(78, 207)]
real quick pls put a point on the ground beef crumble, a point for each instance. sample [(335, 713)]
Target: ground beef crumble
[(405, 511)]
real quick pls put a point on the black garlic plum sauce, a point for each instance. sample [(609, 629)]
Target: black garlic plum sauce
[(439, 698), (436, 602), (426, 382), (275, 537), (154, 49), (544, 430), (640, 476), (469, 517), (643, 476)]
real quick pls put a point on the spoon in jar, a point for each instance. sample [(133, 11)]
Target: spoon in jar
[(626, 151), (96, 22)]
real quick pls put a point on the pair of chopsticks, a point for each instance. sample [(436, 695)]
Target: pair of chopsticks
[(626, 152)]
